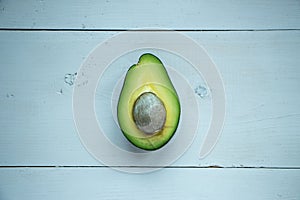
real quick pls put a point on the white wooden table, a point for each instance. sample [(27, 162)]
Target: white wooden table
[(255, 45)]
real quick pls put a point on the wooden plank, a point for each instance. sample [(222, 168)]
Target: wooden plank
[(133, 14), (104, 183), (260, 72)]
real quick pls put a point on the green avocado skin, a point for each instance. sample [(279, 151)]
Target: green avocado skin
[(149, 72), (145, 59)]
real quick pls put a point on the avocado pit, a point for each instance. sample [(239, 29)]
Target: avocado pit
[(149, 113)]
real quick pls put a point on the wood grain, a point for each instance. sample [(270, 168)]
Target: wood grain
[(260, 71), (179, 15), (104, 183)]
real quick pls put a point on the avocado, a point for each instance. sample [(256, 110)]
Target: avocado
[(148, 106)]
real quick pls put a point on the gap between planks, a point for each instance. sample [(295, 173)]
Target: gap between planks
[(158, 30), (174, 167)]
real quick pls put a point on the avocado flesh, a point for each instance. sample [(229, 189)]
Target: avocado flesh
[(148, 75)]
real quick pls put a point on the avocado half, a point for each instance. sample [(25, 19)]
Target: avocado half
[(148, 107)]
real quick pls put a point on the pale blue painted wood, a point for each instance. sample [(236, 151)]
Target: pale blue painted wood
[(261, 75), (260, 72), (104, 183), (176, 14)]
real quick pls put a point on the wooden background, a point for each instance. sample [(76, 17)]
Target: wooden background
[(256, 46)]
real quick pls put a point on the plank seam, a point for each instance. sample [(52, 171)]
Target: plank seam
[(158, 30), (171, 167)]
